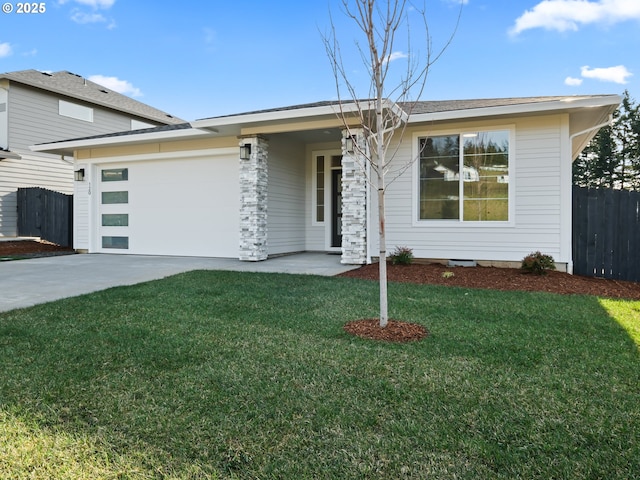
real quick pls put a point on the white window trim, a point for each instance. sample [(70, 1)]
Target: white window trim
[(327, 184), (314, 188), (460, 223)]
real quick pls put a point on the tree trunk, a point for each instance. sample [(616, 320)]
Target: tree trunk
[(384, 314)]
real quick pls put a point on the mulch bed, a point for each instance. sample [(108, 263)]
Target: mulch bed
[(30, 249), (492, 278), (395, 331)]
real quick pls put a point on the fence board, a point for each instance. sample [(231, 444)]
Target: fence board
[(46, 214), (606, 233)]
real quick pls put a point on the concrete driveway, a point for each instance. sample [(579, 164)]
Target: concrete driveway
[(24, 283)]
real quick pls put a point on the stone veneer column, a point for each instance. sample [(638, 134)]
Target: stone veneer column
[(253, 201), (354, 200)]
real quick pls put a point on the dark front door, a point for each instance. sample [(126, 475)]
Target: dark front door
[(336, 208)]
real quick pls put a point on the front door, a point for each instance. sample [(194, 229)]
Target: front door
[(336, 207)]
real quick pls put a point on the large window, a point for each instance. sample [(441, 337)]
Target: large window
[(464, 176)]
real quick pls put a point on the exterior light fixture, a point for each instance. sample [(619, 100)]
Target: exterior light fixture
[(78, 175), (348, 144), (245, 151)]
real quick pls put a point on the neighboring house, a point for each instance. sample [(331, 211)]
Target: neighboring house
[(287, 180), (37, 107), (469, 174)]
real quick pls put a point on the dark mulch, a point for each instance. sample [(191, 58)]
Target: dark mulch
[(395, 331), (501, 279), (479, 277), (17, 249)]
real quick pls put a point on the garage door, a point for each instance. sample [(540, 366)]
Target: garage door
[(171, 207)]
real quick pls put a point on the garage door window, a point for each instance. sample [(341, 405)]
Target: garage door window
[(115, 174), (115, 242), (115, 219), (115, 197)]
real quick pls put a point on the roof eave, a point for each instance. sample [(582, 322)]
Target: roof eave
[(565, 104), (70, 146), (276, 115)]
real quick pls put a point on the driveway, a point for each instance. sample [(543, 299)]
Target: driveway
[(24, 283)]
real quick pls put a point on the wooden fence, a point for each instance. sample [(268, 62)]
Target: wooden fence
[(606, 233), (46, 214)]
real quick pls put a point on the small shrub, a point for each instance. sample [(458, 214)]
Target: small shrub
[(402, 256), (538, 263), (448, 274)]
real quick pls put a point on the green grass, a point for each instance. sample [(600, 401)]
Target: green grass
[(240, 375)]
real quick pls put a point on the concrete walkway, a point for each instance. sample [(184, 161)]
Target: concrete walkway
[(24, 283)]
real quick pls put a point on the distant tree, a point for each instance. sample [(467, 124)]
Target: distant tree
[(612, 158), (596, 166), (627, 135)]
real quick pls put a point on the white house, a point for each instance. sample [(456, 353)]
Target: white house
[(279, 181)]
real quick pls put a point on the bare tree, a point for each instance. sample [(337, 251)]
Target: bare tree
[(384, 112)]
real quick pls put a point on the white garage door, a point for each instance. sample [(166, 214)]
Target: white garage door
[(171, 207)]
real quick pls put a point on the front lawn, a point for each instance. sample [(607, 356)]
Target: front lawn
[(241, 375)]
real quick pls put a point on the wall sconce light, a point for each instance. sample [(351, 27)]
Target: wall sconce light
[(348, 144), (245, 151), (78, 175)]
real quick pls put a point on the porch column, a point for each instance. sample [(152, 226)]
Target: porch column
[(253, 200), (354, 198)]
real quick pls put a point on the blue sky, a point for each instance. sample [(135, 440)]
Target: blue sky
[(197, 59)]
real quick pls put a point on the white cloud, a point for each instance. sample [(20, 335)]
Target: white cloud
[(5, 49), (82, 17), (573, 82), (117, 85), (617, 74), (563, 15), (396, 56)]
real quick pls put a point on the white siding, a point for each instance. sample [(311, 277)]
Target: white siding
[(538, 153), (286, 196), (81, 206)]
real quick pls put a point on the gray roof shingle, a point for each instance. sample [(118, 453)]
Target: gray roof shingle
[(421, 107), (74, 86), (436, 106)]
